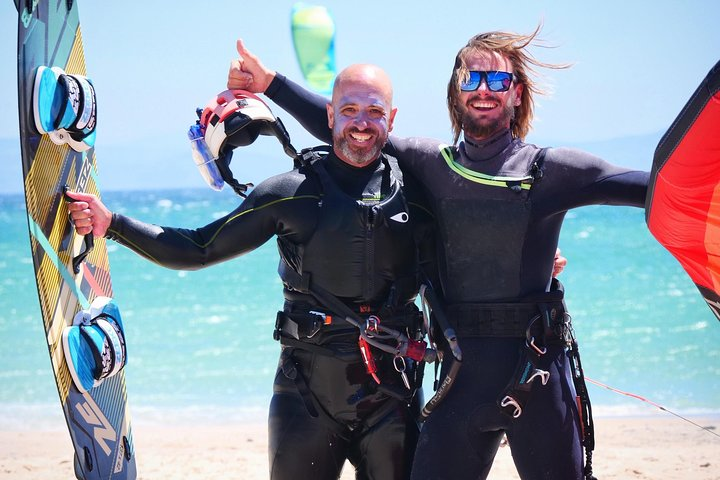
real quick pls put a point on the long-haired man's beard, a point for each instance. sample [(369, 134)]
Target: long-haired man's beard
[(476, 128)]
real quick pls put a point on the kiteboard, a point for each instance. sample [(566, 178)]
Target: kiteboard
[(683, 203), (71, 271)]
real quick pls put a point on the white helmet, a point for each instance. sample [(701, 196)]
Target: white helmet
[(233, 118)]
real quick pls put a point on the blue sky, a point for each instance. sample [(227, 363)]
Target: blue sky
[(635, 65)]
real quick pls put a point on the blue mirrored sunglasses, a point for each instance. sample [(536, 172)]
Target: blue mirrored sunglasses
[(496, 81)]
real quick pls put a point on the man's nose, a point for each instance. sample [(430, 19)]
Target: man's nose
[(360, 122)]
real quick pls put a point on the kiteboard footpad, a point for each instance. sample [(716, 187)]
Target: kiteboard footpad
[(94, 344), (65, 107)]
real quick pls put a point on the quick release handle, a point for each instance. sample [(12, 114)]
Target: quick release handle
[(88, 240)]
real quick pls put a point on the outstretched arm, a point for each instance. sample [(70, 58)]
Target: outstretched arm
[(574, 178), (184, 249)]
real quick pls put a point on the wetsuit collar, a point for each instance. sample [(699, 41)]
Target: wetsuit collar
[(336, 162), (488, 148), (355, 181)]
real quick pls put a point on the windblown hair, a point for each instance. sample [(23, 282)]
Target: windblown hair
[(513, 47)]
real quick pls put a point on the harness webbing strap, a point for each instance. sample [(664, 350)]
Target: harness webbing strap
[(348, 357), (291, 370), (491, 320)]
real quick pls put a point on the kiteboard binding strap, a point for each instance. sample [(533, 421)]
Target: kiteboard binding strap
[(65, 108), (88, 239), (94, 345)]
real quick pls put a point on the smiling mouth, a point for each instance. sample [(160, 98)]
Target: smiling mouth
[(360, 137), (484, 105)]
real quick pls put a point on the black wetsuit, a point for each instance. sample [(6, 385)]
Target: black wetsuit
[(348, 231), (496, 245)]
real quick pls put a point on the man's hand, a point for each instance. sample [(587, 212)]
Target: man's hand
[(248, 73), (88, 214), (560, 263)]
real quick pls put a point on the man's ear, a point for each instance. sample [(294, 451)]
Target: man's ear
[(391, 120), (518, 94), (330, 115)]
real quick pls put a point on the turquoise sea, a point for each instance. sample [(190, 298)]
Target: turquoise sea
[(200, 343)]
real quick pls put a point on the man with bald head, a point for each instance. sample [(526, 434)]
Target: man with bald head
[(361, 86), (345, 221)]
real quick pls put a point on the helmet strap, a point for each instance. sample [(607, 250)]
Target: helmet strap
[(223, 164), (282, 134)]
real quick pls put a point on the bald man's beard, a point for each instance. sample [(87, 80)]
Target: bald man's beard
[(360, 157), (477, 128)]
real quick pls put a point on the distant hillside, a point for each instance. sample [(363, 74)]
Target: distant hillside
[(151, 166)]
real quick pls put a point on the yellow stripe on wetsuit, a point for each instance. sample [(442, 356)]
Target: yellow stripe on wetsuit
[(228, 221), (523, 182)]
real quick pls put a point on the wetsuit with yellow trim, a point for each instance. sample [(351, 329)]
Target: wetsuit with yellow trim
[(352, 231), (499, 207)]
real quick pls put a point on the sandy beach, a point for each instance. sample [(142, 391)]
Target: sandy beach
[(627, 448)]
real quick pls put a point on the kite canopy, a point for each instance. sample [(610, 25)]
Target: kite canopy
[(683, 202), (313, 32)]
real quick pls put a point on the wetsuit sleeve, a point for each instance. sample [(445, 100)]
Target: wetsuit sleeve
[(426, 242), (306, 107), (256, 220), (188, 249), (578, 178), (424, 230)]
